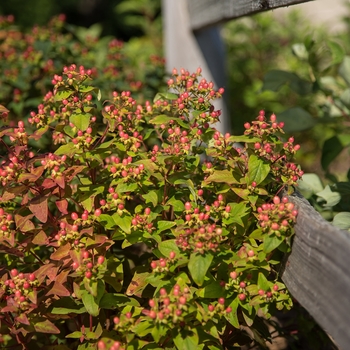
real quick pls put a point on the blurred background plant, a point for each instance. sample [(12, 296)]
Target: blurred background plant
[(302, 73)]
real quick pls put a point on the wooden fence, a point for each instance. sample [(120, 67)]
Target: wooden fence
[(317, 270)]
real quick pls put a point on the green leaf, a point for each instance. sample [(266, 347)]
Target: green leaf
[(344, 69), (166, 96), (151, 197), (238, 211), (74, 335), (332, 148), (212, 290), (337, 52), (177, 205), (156, 332), (123, 221), (91, 302), (198, 266), (67, 149), (65, 306), (257, 170), (46, 327), (232, 316), (271, 242), (296, 119), (62, 95), (243, 138), (125, 187), (345, 98), (225, 176), (168, 246), (107, 221), (185, 340), (164, 225), (113, 301), (300, 51), (342, 220), (81, 120), (331, 198), (263, 283), (310, 184), (160, 119), (143, 328), (275, 79)]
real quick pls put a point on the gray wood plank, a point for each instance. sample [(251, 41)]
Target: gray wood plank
[(317, 272), (206, 13)]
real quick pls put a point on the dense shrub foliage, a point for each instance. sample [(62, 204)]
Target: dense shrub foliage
[(144, 227), (28, 61)]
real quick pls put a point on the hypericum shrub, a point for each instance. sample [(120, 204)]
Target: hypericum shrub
[(146, 228), (28, 60)]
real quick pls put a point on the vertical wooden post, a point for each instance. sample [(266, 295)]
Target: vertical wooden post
[(190, 50)]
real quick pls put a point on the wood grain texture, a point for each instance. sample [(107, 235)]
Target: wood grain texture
[(317, 272), (206, 13)]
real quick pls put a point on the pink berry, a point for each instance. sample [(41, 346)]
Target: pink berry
[(242, 296), (100, 260), (221, 301)]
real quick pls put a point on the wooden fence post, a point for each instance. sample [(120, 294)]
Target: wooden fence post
[(317, 271)]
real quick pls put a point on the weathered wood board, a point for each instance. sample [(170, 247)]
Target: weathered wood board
[(206, 13), (317, 272)]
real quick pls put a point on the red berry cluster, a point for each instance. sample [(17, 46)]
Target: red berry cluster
[(201, 239), (276, 152), (163, 264), (124, 168), (169, 308), (142, 221), (89, 268), (218, 309), (69, 233), (10, 169), (55, 164), (6, 220), (20, 291), (277, 217), (110, 345)]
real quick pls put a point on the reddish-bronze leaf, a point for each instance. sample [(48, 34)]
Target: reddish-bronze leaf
[(38, 206), (11, 251), (46, 270), (23, 223), (60, 180), (9, 308), (62, 206), (48, 183), (62, 277), (59, 289), (61, 252), (32, 176), (3, 109), (37, 135), (7, 196), (46, 327), (72, 171), (40, 238), (33, 296), (22, 318)]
